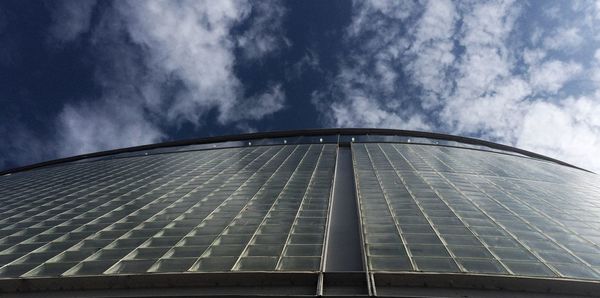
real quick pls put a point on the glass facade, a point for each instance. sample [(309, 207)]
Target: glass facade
[(430, 208), (261, 208), (264, 205)]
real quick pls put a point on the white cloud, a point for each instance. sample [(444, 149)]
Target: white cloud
[(70, 18), (166, 63), (552, 75), (104, 125), (264, 34), (346, 114), (474, 75), (569, 130), (431, 53), (564, 38)]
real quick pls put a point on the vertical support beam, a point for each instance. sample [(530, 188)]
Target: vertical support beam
[(344, 244)]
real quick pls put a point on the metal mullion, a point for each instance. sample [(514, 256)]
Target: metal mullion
[(183, 160), (257, 171), (287, 239), (99, 190), (501, 227), (541, 232), (458, 216), (327, 226), (201, 185), (511, 234), (115, 172), (540, 212), (437, 233), (272, 205), (371, 289), (67, 220), (211, 179), (392, 214)]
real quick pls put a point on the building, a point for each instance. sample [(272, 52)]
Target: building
[(320, 212)]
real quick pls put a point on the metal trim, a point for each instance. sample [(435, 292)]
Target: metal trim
[(293, 133), (297, 284)]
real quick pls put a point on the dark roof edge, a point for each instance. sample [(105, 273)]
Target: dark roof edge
[(292, 133)]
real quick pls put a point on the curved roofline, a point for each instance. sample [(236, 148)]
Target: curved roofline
[(294, 133)]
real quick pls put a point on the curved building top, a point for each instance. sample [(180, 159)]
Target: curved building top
[(308, 213), (308, 136)]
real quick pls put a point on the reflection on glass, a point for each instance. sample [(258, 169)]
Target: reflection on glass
[(442, 209), (256, 208)]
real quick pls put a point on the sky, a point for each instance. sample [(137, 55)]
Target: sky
[(82, 76)]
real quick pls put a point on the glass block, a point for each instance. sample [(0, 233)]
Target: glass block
[(300, 263), (270, 239), (197, 240), (131, 266), (161, 242), (575, 271), (420, 250), (386, 250), (8, 258), (214, 264), (513, 254), (261, 263), (110, 254), (436, 264), (529, 268), (482, 266), (224, 250), (461, 240), (16, 270), (499, 241), (73, 255), (422, 239), (383, 238), (89, 268), (172, 265), (50, 269), (36, 257), (303, 250), (306, 239), (390, 263), (186, 252), (145, 253), (417, 229), (232, 239), (311, 229), (264, 250)]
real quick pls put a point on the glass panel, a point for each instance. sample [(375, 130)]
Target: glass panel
[(430, 208), (168, 210)]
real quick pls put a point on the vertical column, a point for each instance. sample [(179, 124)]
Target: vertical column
[(344, 246)]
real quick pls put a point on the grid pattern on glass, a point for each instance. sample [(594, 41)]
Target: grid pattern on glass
[(164, 213), (438, 209), (299, 139)]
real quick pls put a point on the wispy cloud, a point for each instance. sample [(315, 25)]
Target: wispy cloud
[(70, 19), (165, 64), (473, 69)]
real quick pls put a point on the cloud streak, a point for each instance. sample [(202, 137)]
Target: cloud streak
[(165, 64), (469, 68)]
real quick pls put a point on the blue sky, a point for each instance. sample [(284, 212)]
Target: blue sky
[(82, 76)]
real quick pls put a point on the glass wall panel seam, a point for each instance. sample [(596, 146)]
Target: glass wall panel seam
[(398, 229), (92, 220), (437, 233), (273, 204), (223, 162), (514, 237), (274, 156), (221, 166), (442, 198), (289, 233)]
